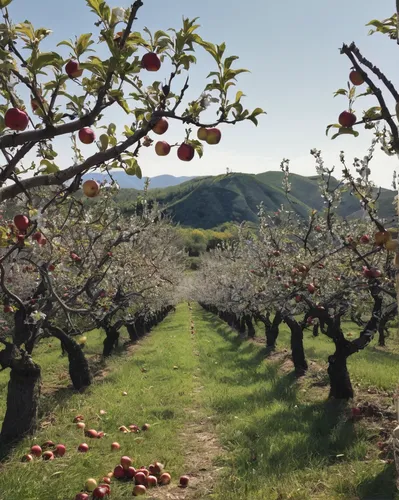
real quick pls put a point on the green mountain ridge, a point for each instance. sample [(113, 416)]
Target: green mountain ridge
[(208, 202)]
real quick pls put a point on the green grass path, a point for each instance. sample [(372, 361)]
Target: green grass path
[(218, 410), (281, 441)]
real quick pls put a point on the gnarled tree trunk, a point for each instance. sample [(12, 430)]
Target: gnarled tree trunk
[(110, 341), (298, 352), (79, 369), (22, 396)]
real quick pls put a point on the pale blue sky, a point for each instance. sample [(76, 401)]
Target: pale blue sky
[(292, 50)]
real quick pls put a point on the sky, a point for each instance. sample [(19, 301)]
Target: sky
[(292, 51)]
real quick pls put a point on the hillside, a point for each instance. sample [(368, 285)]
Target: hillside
[(207, 202)]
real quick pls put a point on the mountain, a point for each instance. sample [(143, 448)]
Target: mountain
[(208, 202), (130, 181)]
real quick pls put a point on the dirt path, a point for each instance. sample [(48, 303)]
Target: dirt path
[(200, 442)]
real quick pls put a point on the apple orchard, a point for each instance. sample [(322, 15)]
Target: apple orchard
[(71, 262)]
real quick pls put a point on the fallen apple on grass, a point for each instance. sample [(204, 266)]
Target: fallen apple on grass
[(60, 450), (139, 490), (83, 448), (36, 451), (115, 446), (164, 478), (91, 484)]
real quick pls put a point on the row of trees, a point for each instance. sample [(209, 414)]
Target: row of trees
[(79, 267), (309, 273)]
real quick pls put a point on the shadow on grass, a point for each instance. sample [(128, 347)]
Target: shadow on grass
[(276, 432), (380, 487)]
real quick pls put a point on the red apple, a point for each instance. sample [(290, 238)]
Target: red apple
[(185, 152), (317, 228), (151, 62), (356, 78), (7, 308), (115, 446), (27, 458), (86, 135), (21, 222), (126, 462), (183, 481), (82, 496), (140, 478), (60, 450), (48, 455), (36, 451), (130, 472), (145, 427), (202, 134), (161, 126), (134, 428), (83, 447), (310, 320), (162, 148), (152, 481), (138, 490), (78, 418), (16, 119), (213, 136), (347, 119), (145, 471), (92, 433), (100, 492), (165, 478), (311, 288), (356, 412), (80, 425), (72, 69), (91, 188), (298, 298), (119, 472), (106, 480)]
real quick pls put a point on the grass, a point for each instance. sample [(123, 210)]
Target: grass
[(281, 439), (283, 442), (157, 394)]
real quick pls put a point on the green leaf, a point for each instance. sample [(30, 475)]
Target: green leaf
[(111, 129), (83, 43), (51, 168), (333, 125), (95, 5), (139, 173), (46, 59), (4, 3), (340, 92), (104, 142), (68, 43), (229, 60), (239, 95)]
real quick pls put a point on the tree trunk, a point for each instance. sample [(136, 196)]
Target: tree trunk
[(250, 326), (272, 329), (298, 353), (22, 397), (316, 330), (110, 341), (340, 382), (79, 369), (131, 330)]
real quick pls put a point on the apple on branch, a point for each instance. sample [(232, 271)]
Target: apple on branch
[(151, 62), (72, 69), (91, 188), (16, 119)]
